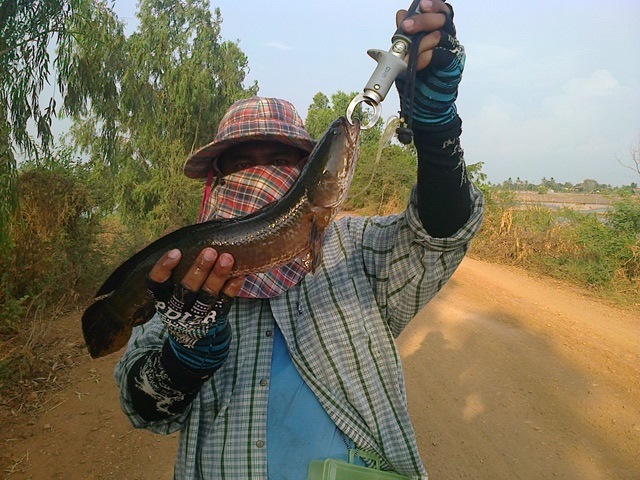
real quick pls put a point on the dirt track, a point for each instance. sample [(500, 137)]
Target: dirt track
[(509, 377)]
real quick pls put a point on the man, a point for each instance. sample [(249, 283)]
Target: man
[(294, 366)]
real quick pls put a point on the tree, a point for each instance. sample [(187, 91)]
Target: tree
[(476, 175), (177, 80), (320, 115), (635, 159), (588, 186), (28, 32), (324, 111)]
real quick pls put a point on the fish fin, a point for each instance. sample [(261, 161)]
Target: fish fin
[(107, 332), (321, 219), (316, 249)]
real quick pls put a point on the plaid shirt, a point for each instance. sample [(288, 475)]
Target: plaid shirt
[(339, 324)]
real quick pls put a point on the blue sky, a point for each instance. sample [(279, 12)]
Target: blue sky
[(550, 89)]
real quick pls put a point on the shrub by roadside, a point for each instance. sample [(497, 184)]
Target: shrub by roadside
[(601, 253)]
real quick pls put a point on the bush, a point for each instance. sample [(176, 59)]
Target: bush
[(601, 253), (50, 261), (51, 235), (382, 186)]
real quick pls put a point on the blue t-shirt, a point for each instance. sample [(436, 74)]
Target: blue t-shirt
[(298, 428)]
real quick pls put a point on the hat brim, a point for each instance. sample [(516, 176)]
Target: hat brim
[(200, 162)]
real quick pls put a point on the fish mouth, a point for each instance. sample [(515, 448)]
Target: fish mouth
[(353, 131)]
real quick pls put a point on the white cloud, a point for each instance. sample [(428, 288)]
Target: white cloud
[(600, 83), (597, 103), (278, 46), (574, 133)]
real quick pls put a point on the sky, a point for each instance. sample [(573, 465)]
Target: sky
[(550, 89)]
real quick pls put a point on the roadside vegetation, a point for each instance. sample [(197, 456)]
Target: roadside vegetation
[(72, 210), (599, 252)]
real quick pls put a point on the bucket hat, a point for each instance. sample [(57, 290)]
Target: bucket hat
[(255, 118)]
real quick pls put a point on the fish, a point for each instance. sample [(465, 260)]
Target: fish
[(290, 228)]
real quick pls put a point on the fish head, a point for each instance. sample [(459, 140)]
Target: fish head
[(338, 149)]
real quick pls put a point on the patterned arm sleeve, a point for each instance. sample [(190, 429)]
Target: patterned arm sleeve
[(156, 391)]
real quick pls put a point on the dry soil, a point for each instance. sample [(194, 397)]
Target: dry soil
[(509, 376)]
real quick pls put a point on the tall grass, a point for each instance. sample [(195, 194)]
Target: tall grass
[(601, 253)]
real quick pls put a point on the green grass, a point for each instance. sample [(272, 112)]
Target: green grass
[(601, 253)]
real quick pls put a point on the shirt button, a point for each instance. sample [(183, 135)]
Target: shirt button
[(268, 333), (259, 444), (263, 382)]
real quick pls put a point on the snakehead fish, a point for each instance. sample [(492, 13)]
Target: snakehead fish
[(289, 228)]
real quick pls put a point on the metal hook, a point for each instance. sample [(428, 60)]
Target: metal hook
[(390, 65), (357, 100)]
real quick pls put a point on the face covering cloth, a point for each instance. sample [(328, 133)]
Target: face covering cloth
[(245, 192)]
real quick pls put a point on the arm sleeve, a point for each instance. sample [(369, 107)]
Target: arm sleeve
[(156, 390), (443, 189), (160, 386)]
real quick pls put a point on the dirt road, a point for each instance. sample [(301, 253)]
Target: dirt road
[(509, 376)]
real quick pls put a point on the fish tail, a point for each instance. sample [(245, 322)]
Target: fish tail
[(104, 330)]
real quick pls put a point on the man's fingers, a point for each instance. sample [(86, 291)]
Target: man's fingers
[(400, 14), (233, 286), (199, 271), (434, 16), (209, 273), (427, 45), (161, 271), (435, 6), (219, 274)]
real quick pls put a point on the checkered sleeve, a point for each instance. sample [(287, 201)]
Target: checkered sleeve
[(407, 266)]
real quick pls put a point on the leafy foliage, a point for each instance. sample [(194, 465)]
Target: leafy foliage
[(27, 31), (176, 79)]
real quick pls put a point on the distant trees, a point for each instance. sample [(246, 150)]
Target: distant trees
[(550, 185)]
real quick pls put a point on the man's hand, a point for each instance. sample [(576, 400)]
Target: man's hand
[(209, 272), (195, 311), (439, 65)]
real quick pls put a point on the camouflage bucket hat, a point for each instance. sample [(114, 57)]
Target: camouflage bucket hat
[(256, 118)]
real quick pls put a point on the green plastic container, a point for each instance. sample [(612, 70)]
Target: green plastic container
[(334, 469)]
